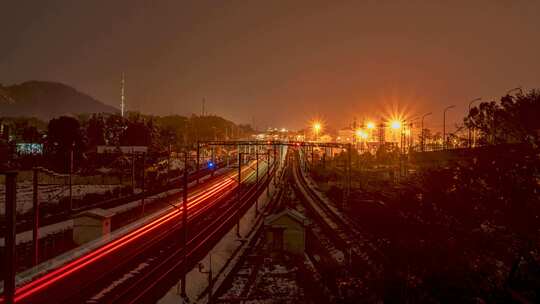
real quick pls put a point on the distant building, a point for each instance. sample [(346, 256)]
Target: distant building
[(345, 135), (325, 138), (122, 149)]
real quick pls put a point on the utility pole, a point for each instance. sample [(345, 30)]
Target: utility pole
[(213, 162), (142, 184), (168, 163), (184, 224), (132, 171), (470, 128), (10, 237), (274, 164), (71, 179), (268, 172), (444, 125), (331, 156), (197, 161), (349, 170), (122, 97), (305, 159), (257, 164), (238, 194), (35, 221), (423, 133), (257, 178), (312, 158)]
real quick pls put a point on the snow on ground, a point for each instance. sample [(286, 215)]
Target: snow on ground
[(64, 258), (224, 256), (48, 193), (96, 298), (236, 288), (26, 236)]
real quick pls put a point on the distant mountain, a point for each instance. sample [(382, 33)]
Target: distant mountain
[(46, 100)]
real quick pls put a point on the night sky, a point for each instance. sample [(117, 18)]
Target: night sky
[(280, 63)]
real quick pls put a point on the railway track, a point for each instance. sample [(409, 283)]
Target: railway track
[(145, 259), (152, 283), (359, 253)]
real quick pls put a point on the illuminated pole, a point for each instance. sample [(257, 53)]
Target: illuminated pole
[(10, 252), (422, 136), (317, 128), (444, 125), (470, 127)]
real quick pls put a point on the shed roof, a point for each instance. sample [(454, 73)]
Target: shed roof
[(96, 213), (295, 215)]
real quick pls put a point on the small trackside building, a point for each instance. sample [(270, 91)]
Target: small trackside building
[(286, 231), (91, 225)]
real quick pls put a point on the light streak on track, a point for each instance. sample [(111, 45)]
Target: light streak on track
[(52, 277)]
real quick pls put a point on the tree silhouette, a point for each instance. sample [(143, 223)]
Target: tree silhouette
[(512, 120), (63, 136)]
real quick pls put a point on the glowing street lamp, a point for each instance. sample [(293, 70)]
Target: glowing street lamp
[(395, 124), (370, 125), (317, 126)]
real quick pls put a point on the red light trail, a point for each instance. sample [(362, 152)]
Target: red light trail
[(64, 271)]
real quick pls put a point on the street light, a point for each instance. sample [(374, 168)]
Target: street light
[(317, 126), (470, 128), (395, 124), (444, 124), (422, 130), (370, 125)]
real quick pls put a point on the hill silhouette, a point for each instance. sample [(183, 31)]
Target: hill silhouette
[(46, 100)]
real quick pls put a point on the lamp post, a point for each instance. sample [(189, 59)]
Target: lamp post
[(470, 128), (444, 124), (422, 136), (317, 126)]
